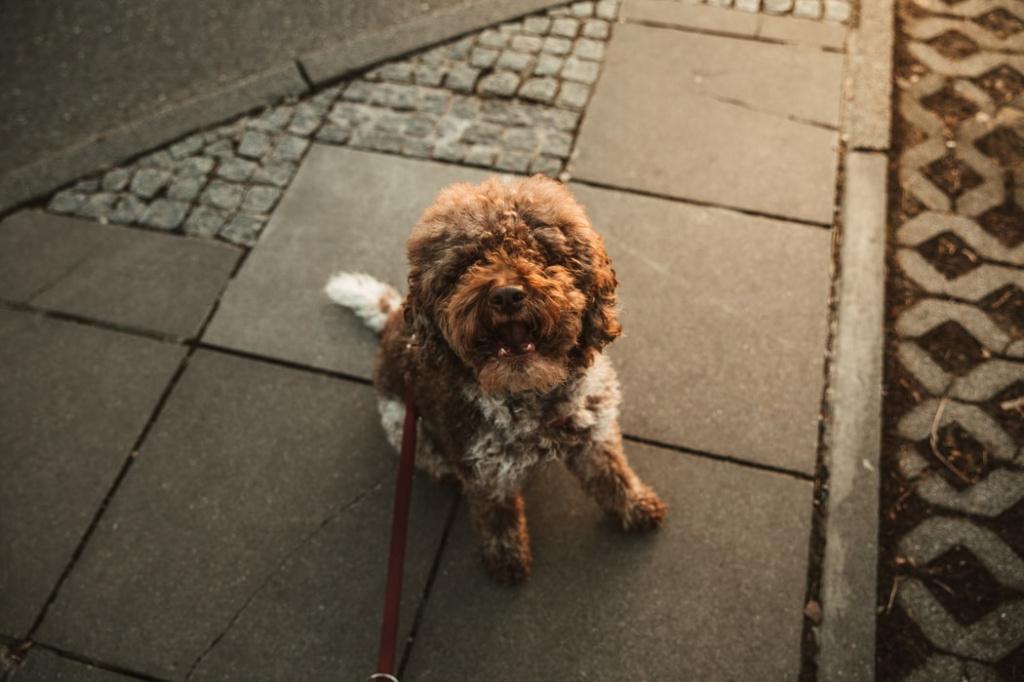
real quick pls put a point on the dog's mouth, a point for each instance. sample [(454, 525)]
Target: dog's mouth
[(513, 340)]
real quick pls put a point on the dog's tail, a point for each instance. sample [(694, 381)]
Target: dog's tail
[(370, 299)]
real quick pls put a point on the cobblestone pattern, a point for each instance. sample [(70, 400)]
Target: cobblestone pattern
[(960, 338), (829, 10), (508, 98)]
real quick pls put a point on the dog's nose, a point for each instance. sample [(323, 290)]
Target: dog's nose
[(508, 299)]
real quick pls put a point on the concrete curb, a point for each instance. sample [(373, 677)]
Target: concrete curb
[(854, 434), (119, 144), (325, 66)]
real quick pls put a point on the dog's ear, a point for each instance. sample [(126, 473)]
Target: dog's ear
[(562, 225), (600, 318)]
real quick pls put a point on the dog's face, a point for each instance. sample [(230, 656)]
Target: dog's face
[(514, 281)]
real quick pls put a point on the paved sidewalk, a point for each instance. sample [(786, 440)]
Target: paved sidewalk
[(198, 486)]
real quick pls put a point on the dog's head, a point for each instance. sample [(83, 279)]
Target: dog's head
[(514, 281)]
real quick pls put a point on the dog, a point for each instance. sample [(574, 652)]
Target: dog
[(511, 303)]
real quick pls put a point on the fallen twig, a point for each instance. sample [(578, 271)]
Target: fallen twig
[(933, 440)]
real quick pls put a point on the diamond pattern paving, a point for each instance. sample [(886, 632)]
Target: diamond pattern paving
[(956, 501)]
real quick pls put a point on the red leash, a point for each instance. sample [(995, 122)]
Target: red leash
[(399, 529)]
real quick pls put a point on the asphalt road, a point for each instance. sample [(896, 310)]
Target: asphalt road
[(71, 70)]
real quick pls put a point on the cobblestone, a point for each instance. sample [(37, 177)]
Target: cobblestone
[(225, 195), (116, 179), (526, 43), (98, 206), (500, 83), (260, 199), (204, 221), (243, 229), (557, 46), (807, 9), (148, 181), (539, 90), (254, 144), (597, 29), (573, 95), (165, 214), (462, 78), (66, 201), (565, 27), (185, 188), (536, 25), (589, 49), (129, 209), (580, 71), (507, 97), (236, 169)]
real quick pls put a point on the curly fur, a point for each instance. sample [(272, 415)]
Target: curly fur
[(501, 389)]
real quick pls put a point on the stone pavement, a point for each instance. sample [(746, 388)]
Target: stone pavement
[(199, 487), (954, 552)]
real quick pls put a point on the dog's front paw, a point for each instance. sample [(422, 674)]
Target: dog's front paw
[(645, 512), (509, 567)]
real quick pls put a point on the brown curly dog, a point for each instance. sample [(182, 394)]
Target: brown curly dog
[(511, 303)]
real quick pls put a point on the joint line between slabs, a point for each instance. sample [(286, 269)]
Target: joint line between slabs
[(696, 202), (96, 663), (108, 498), (428, 587), (726, 34), (729, 459), (281, 362), (126, 466), (90, 322)]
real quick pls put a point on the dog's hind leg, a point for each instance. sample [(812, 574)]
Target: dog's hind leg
[(604, 473), (504, 540)]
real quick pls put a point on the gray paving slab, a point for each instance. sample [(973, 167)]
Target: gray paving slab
[(720, 126), (44, 666), (73, 401), (250, 468), (725, 319), (37, 249), (331, 593), (345, 210), (145, 280), (717, 594)]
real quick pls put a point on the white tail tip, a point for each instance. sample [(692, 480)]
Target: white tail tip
[(370, 299)]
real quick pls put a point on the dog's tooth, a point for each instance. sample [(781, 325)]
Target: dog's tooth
[(503, 352), (528, 348)]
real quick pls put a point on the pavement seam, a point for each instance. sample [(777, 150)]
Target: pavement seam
[(767, 112), (89, 321), (727, 34), (428, 587), (280, 362), (97, 663), (695, 202), (332, 515), (729, 459), (105, 503)]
